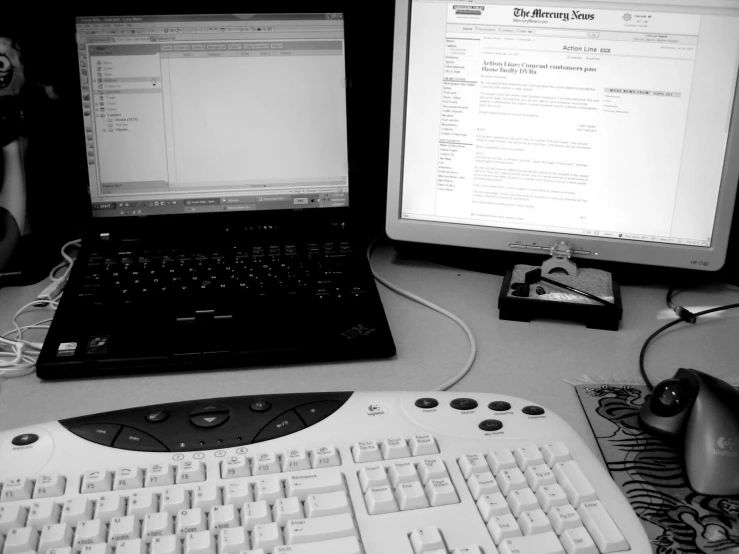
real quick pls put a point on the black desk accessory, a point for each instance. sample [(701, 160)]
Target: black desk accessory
[(560, 290)]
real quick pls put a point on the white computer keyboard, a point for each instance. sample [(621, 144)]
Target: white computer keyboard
[(324, 473)]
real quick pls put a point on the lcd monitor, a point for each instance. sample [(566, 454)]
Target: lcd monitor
[(608, 128)]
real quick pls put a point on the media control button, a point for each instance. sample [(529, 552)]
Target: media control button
[(24, 440), (209, 420), (156, 416), (427, 403), (499, 406), (100, 433), (316, 411), (491, 425), (284, 424), (533, 410), (463, 404), (133, 439), (260, 406)]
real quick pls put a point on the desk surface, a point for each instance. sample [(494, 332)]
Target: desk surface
[(536, 361)]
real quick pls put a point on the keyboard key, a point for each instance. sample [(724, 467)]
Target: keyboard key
[(564, 517), (441, 492), (96, 548), (168, 544), (372, 476), (344, 545), (527, 456), (269, 489), (394, 448), (295, 460), (267, 536), (550, 496), (109, 506), (128, 477), (132, 546), (234, 467), (326, 504), (467, 550), (553, 453), (500, 459), (539, 475), (189, 521), (313, 483), (533, 522), (426, 539), (190, 471), (22, 539), (411, 496), (286, 509), (43, 513), (222, 517), (159, 475), (232, 540), (156, 525), (201, 542), (473, 463), (141, 503), (603, 530), (544, 543), (432, 469), (48, 486), (89, 532), (380, 500), (97, 480), (511, 479), (573, 481), (521, 500), (366, 451), (299, 531), (175, 499), (265, 464), (74, 510), (206, 496), (493, 504), (403, 473), (423, 445), (58, 535), (253, 513), (123, 528), (503, 527), (578, 541), (482, 483), (237, 492), (17, 488), (12, 516), (325, 456)]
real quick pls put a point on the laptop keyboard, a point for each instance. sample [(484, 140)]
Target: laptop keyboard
[(321, 270)]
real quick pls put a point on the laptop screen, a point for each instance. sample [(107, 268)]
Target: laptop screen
[(188, 113)]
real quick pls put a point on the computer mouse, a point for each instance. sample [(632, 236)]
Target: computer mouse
[(703, 411)]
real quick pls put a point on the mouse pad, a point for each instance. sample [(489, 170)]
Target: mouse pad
[(649, 472)]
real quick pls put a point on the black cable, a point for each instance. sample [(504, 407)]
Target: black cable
[(535, 275), (644, 347)]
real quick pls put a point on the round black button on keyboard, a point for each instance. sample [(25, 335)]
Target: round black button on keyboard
[(491, 425), (156, 416), (463, 404), (260, 406), (24, 440), (499, 406), (533, 410), (427, 403)]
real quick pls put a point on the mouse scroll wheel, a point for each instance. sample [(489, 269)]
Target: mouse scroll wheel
[(671, 397)]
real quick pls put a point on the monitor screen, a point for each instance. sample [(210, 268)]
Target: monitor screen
[(611, 127), (208, 113)]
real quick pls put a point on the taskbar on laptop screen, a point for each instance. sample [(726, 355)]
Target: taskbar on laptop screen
[(165, 205)]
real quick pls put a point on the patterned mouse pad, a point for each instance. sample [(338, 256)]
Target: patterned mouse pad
[(677, 520)]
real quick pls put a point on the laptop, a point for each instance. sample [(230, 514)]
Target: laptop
[(223, 228)]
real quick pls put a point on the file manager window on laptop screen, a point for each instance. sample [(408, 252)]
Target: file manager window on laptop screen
[(188, 113)]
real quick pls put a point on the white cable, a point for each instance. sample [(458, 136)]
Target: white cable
[(395, 288)]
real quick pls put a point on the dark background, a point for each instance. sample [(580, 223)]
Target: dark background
[(57, 181)]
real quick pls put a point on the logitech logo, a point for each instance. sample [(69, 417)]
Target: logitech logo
[(373, 408), (727, 447), (378, 409)]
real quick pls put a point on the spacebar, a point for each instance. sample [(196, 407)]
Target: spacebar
[(345, 545)]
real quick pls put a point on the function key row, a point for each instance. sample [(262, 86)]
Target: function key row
[(21, 488), (394, 448)]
